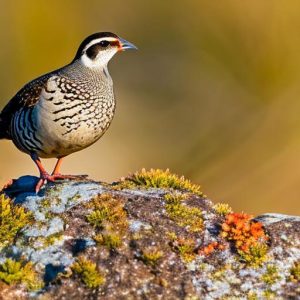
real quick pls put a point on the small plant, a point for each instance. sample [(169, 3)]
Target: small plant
[(98, 216), (13, 219), (53, 238), (183, 215), (295, 272), (151, 255), (252, 296), (256, 255), (184, 246), (14, 272), (107, 211), (87, 270), (271, 275), (110, 240), (110, 218), (222, 209), (156, 178), (268, 295)]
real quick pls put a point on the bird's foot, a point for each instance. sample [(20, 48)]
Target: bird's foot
[(45, 177)]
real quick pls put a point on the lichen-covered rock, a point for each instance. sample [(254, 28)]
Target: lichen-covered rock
[(153, 235)]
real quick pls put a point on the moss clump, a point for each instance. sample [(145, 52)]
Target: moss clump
[(295, 272), (268, 294), (107, 209), (222, 209), (16, 272), (53, 238), (184, 246), (252, 296), (109, 218), (183, 215), (13, 218), (151, 255), (256, 255), (271, 275), (87, 270), (156, 178), (110, 240)]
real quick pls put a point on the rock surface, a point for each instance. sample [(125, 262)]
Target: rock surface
[(90, 240)]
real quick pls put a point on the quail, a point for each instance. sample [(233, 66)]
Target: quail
[(66, 110)]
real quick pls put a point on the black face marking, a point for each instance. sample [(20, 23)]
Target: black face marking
[(93, 51), (91, 38), (104, 44)]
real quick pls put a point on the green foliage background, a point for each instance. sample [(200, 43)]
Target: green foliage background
[(213, 93)]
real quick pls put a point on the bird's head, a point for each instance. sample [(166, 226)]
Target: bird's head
[(97, 49)]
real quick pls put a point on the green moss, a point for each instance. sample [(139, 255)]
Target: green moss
[(53, 238), (49, 215), (46, 203), (13, 219), (151, 255), (14, 272), (110, 240), (268, 294), (256, 255), (87, 271), (107, 211), (110, 220), (184, 246), (222, 209), (271, 275), (98, 216), (252, 296), (295, 272), (183, 215), (158, 179), (186, 250)]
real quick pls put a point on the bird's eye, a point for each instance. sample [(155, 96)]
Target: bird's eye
[(104, 43)]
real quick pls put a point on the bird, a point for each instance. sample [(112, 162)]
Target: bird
[(66, 110)]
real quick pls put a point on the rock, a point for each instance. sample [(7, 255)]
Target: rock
[(150, 236)]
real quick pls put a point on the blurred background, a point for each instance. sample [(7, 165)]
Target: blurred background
[(213, 92)]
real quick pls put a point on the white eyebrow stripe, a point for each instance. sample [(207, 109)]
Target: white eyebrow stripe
[(110, 39)]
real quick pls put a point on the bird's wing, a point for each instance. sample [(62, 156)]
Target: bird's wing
[(28, 96)]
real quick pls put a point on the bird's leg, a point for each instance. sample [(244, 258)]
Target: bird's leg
[(57, 166), (57, 175), (44, 176)]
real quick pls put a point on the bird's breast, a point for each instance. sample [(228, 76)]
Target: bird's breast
[(69, 120)]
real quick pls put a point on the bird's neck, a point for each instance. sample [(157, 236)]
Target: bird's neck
[(76, 70)]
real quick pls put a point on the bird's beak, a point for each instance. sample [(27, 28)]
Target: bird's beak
[(124, 45)]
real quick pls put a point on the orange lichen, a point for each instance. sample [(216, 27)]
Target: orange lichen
[(245, 233), (210, 248)]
